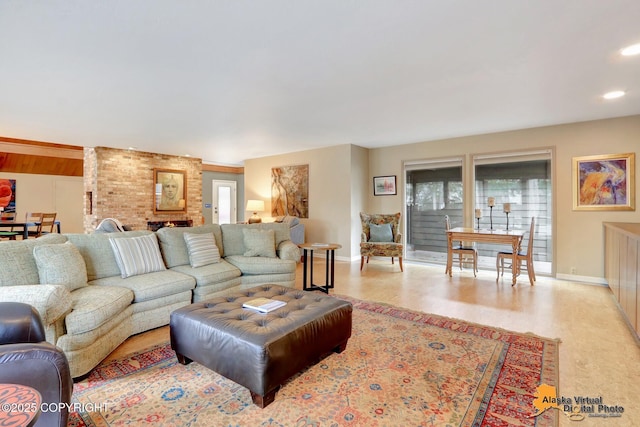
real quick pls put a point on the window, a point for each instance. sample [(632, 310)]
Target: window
[(433, 190), (523, 181), (436, 188)]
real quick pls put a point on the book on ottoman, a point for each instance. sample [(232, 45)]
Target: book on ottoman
[(264, 305)]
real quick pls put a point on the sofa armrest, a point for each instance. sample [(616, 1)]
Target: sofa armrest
[(53, 302), (288, 250), (398, 238), (363, 237)]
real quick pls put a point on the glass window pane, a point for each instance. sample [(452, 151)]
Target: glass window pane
[(431, 193), (526, 186)]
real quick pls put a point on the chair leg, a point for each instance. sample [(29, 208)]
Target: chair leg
[(392, 262), (400, 262), (475, 265), (361, 262), (498, 267), (532, 274)]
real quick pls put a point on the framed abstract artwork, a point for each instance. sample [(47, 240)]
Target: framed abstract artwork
[(384, 185), (170, 191), (290, 191), (604, 182)]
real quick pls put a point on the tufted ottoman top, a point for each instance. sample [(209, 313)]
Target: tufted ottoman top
[(227, 315)]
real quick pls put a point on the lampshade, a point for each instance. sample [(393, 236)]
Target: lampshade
[(255, 206)]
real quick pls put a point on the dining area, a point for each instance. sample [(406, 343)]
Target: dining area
[(32, 225), (462, 241)]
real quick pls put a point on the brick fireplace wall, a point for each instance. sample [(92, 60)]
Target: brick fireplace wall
[(120, 184)]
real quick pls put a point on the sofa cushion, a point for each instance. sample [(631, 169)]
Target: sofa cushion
[(151, 285), (173, 247), (233, 236), (210, 274), (202, 249), (61, 265), (137, 255), (97, 251), (17, 264), (380, 233), (95, 305), (261, 265), (259, 243)]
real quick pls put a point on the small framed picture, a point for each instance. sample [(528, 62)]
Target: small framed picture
[(384, 185), (170, 191), (604, 182)]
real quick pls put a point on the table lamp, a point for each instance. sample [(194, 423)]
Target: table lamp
[(255, 206)]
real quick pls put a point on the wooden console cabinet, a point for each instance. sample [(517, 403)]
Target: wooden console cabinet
[(622, 268)]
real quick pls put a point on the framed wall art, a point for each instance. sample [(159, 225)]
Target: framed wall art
[(7, 195), (604, 182), (290, 191), (170, 191), (384, 185)]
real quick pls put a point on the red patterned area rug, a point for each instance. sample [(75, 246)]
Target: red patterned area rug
[(400, 368)]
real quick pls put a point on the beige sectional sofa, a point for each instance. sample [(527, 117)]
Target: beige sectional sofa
[(95, 290)]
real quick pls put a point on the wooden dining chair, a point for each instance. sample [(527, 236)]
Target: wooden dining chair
[(47, 223), (461, 250), (8, 217), (35, 218), (526, 257)]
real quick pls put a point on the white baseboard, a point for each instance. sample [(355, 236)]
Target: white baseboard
[(599, 281)]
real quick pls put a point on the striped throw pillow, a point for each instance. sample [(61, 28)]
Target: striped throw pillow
[(202, 249), (137, 255)]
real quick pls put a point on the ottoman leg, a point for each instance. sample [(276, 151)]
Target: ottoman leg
[(262, 401), (340, 348), (184, 360)]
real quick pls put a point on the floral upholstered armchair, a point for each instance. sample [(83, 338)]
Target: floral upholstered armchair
[(380, 237)]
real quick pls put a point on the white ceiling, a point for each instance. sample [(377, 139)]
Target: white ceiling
[(229, 80)]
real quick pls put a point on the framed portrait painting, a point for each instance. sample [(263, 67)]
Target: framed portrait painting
[(384, 185), (169, 190), (604, 182)]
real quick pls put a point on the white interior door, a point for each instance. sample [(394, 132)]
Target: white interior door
[(224, 209)]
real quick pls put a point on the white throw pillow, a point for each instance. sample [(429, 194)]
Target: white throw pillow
[(259, 242), (61, 265), (202, 249), (137, 255)]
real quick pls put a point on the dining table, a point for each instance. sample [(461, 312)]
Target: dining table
[(24, 226), (500, 237)]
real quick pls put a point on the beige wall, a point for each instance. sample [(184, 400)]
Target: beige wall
[(330, 195), (50, 193), (338, 175)]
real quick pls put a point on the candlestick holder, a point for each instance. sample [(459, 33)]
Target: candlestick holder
[(491, 216), (507, 213), (478, 219)]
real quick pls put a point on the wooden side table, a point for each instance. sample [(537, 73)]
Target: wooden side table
[(307, 261), (19, 405)]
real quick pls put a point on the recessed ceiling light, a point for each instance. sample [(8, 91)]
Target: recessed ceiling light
[(631, 50), (132, 148), (614, 94)]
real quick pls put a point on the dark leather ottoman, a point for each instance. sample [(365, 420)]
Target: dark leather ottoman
[(261, 351)]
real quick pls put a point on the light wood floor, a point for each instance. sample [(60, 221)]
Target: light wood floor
[(599, 356)]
